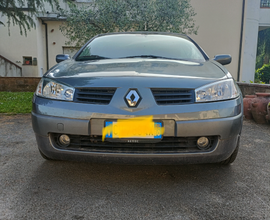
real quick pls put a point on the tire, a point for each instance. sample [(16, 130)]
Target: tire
[(44, 156), (233, 156)]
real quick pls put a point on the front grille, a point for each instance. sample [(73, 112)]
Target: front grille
[(166, 145), (173, 96), (100, 96)]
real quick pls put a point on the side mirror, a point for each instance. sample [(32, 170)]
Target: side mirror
[(62, 57), (223, 59)]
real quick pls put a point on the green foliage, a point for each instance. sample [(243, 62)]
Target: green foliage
[(104, 16), (21, 12), (16, 102), (263, 73), (263, 48), (259, 60), (256, 81), (256, 78)]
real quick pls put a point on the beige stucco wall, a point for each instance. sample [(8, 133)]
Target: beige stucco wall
[(219, 30), (15, 46), (56, 40)]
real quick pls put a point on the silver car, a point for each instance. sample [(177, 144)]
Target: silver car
[(139, 97)]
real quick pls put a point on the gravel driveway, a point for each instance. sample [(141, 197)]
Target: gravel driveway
[(32, 188)]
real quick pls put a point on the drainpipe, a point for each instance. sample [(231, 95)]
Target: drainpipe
[(46, 39), (241, 40)]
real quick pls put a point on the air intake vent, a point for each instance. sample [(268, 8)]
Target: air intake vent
[(173, 96), (100, 96), (166, 145)]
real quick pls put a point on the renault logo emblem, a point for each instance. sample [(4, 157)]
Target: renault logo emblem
[(132, 98)]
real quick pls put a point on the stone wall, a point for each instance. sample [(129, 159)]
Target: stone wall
[(252, 88), (19, 84)]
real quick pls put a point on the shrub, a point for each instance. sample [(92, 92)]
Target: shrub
[(264, 73)]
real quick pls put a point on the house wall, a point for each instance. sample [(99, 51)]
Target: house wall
[(56, 41), (8, 68), (251, 30), (41, 49), (264, 19), (219, 30), (256, 18), (15, 46)]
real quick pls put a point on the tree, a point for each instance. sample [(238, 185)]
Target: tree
[(105, 16), (21, 12), (263, 49)]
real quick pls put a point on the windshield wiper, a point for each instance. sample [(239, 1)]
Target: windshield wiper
[(148, 56), (91, 57)]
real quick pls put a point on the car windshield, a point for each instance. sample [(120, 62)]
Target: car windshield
[(141, 45)]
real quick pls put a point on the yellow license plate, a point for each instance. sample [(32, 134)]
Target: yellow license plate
[(140, 127)]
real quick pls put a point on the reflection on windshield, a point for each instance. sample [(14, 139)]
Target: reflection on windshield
[(141, 45)]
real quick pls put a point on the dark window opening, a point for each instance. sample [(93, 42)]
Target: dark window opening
[(265, 3), (27, 60)]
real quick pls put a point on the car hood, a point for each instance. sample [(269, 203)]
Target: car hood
[(137, 72)]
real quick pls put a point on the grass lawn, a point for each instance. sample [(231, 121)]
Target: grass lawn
[(16, 102)]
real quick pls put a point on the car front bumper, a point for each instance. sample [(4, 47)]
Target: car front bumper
[(223, 119)]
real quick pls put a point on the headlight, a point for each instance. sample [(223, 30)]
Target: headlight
[(53, 90), (221, 90)]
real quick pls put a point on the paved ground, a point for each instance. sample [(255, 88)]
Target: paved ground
[(32, 188)]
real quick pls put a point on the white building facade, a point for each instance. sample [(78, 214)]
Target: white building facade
[(256, 19), (225, 27)]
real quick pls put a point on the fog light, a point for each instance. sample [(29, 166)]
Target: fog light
[(203, 142), (64, 140)]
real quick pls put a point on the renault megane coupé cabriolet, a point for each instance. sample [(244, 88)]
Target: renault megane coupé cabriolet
[(139, 97)]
